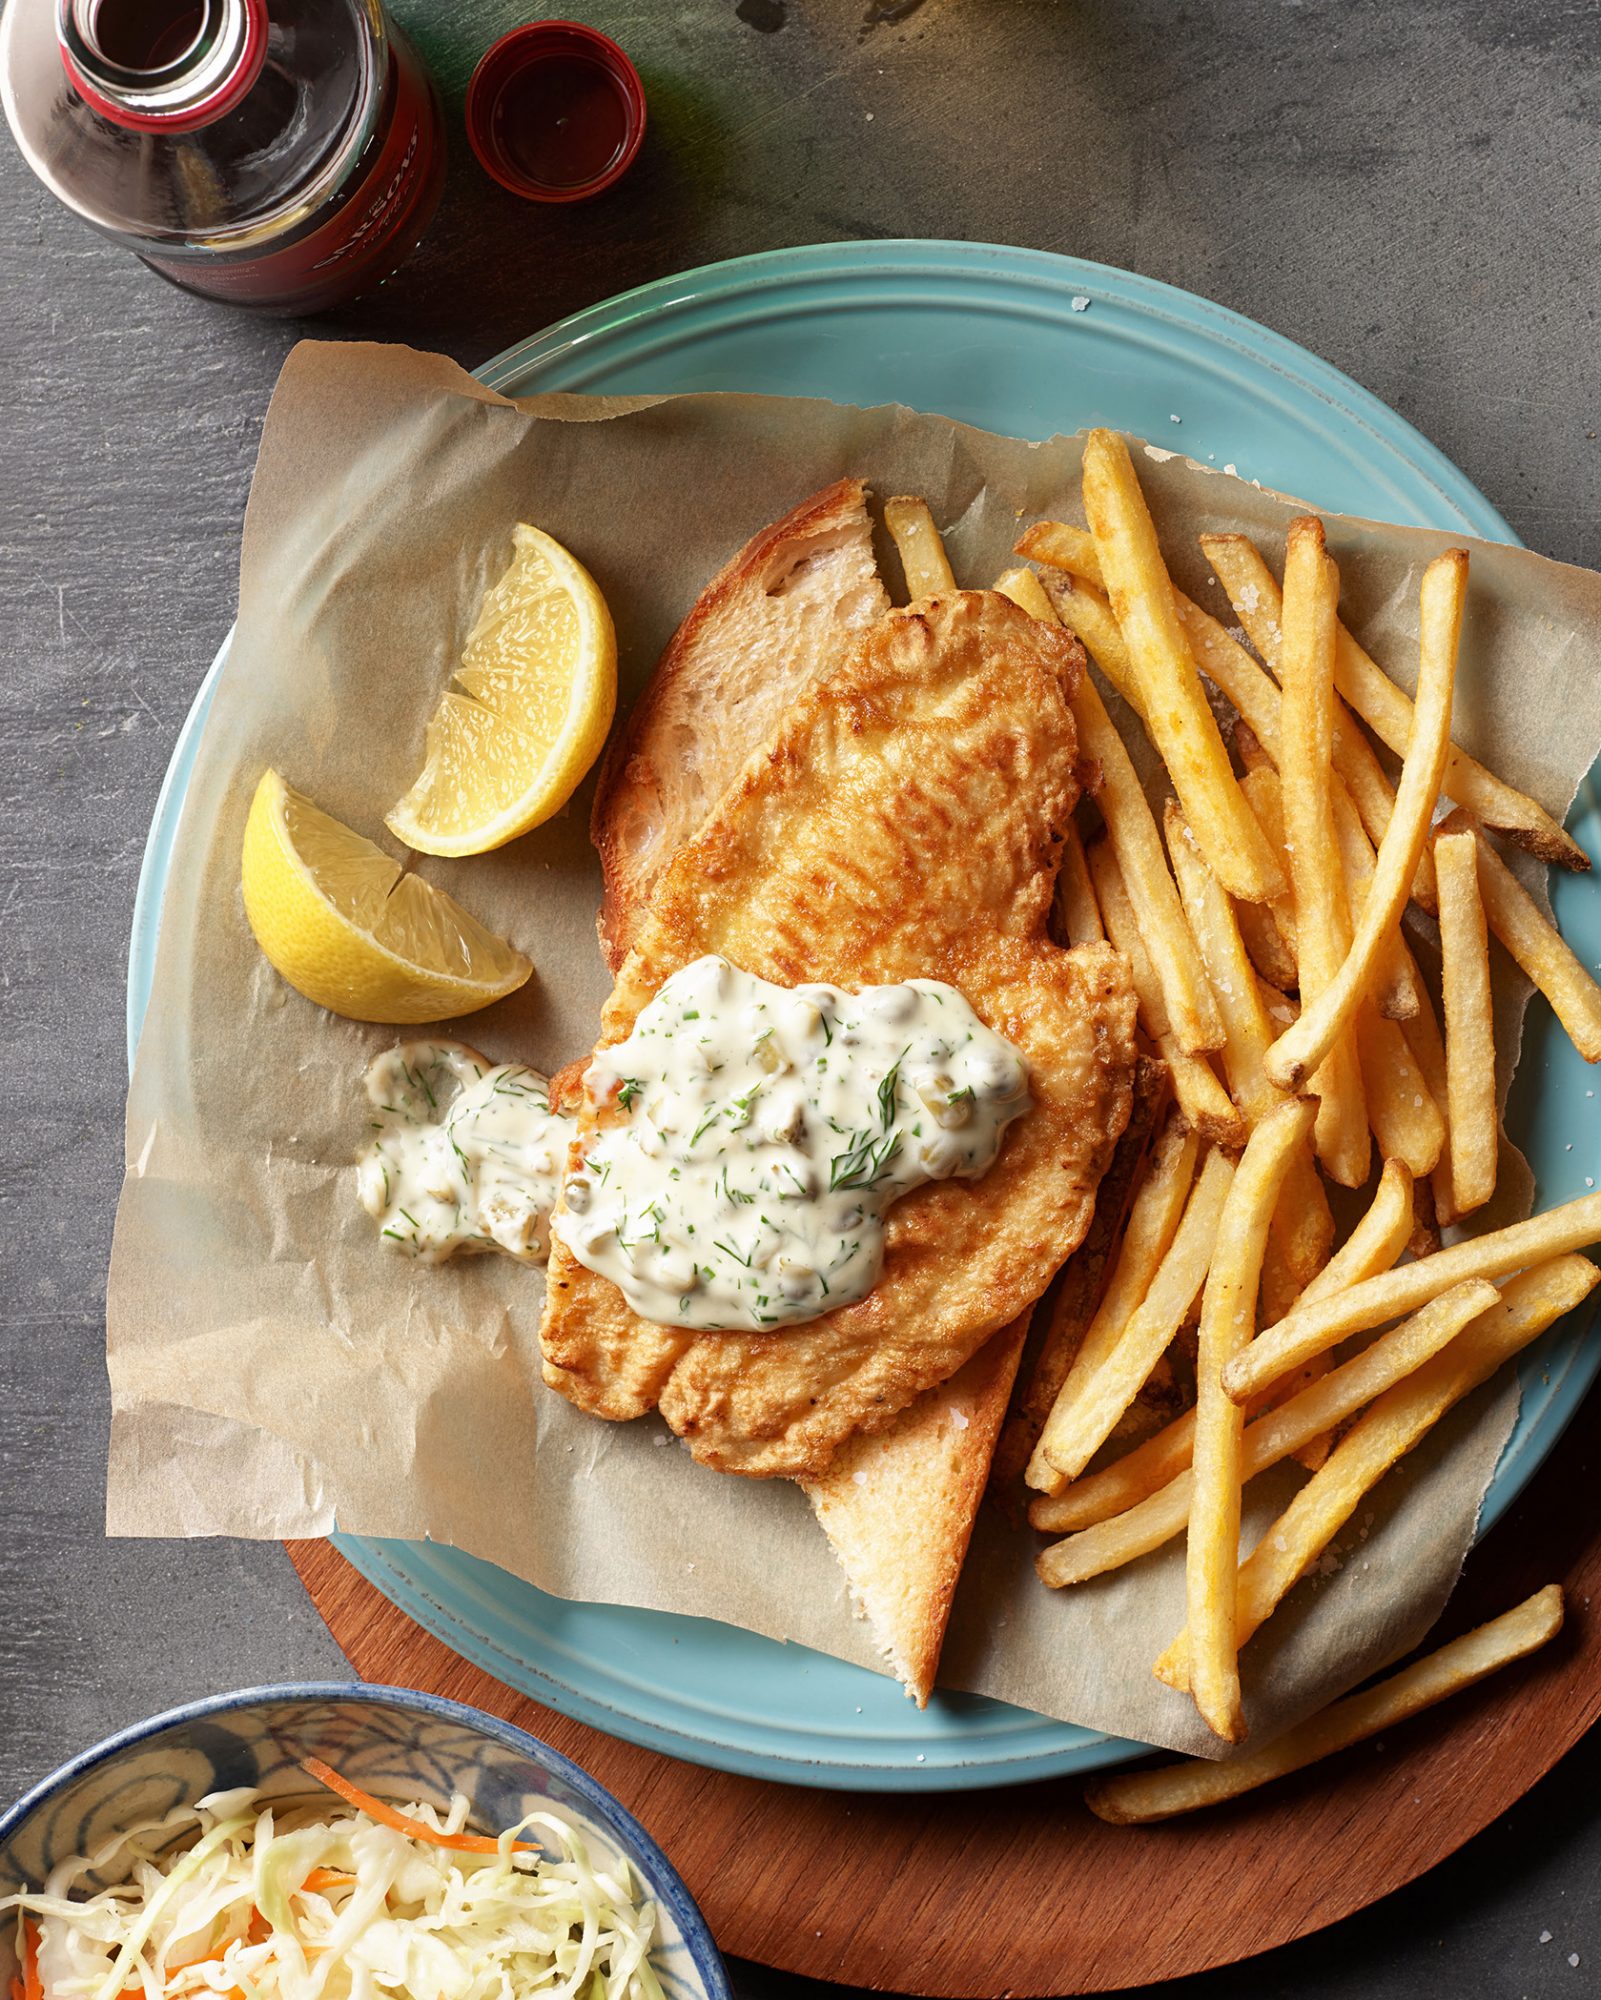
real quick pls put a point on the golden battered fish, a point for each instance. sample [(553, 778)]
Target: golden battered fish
[(903, 823)]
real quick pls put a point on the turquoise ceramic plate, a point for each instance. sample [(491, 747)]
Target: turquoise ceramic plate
[(1020, 342)]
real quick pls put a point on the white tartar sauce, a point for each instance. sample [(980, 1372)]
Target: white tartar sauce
[(750, 1137), (465, 1155)]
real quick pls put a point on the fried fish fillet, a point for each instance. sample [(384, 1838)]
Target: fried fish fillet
[(898, 1507), (902, 823)]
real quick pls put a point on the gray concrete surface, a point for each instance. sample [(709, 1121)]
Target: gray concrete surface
[(1414, 192)]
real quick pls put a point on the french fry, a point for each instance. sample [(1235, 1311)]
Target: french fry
[(1316, 1327), (1323, 920), (1322, 805), (1373, 1246), (1545, 957), (1061, 546), (1078, 919), (1384, 1432), (1494, 1330), (1268, 1438), (1282, 1008), (1141, 863), (1026, 591), (1469, 1023), (1303, 1225), (1313, 1453), (1255, 695), (1077, 913), (1406, 1121), (1511, 913), (1228, 1320), (1201, 1097), (1177, 714), (1083, 610), (1139, 1798), (1497, 1329), (1424, 1039), (1153, 1221), (1255, 758), (1377, 1240), (1395, 980), (917, 541), (1280, 1287), (1263, 940), (1360, 788), (1176, 964), (1248, 1033), (1225, 662), (1084, 1420), (1230, 668), (1079, 1290), (1372, 796), (1123, 1484), (1404, 1113), (1087, 611), (1356, 762), (1084, 606), (1265, 798), (1218, 654), (1120, 1486), (1327, 1012), (1362, 683), (1425, 1237)]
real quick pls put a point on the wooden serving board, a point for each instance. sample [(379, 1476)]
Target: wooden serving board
[(1021, 1890)]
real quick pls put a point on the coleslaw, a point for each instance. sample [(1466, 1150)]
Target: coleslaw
[(251, 1898)]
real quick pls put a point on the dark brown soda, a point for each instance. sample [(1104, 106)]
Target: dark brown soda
[(562, 122)]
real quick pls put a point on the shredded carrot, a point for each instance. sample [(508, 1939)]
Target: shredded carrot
[(321, 1879), (466, 1843), (32, 1983)]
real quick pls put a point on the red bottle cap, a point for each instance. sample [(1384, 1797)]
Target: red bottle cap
[(172, 86), (555, 111)]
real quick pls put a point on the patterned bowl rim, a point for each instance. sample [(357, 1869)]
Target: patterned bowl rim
[(664, 1879)]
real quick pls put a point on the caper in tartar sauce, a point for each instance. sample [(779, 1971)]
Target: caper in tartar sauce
[(750, 1136), (465, 1154)]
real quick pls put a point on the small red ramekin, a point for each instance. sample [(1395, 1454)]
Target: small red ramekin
[(508, 59)]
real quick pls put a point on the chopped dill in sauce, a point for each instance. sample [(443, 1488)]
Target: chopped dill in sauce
[(466, 1156), (738, 1175)]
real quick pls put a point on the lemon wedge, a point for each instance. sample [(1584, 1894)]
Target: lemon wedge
[(532, 700), (335, 915)]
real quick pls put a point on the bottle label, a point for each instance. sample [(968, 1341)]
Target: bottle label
[(392, 200)]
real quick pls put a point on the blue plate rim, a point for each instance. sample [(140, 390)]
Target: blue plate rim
[(771, 272), (910, 256)]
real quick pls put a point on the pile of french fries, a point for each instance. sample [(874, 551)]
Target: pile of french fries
[(1294, 1042)]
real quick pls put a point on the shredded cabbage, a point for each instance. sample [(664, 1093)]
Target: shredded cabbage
[(251, 1899)]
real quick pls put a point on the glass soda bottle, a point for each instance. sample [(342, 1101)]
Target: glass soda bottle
[(284, 154)]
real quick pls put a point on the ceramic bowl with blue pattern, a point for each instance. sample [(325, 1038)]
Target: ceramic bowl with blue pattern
[(395, 1744)]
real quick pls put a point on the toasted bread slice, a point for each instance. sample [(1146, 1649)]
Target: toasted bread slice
[(898, 1507), (781, 615)]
